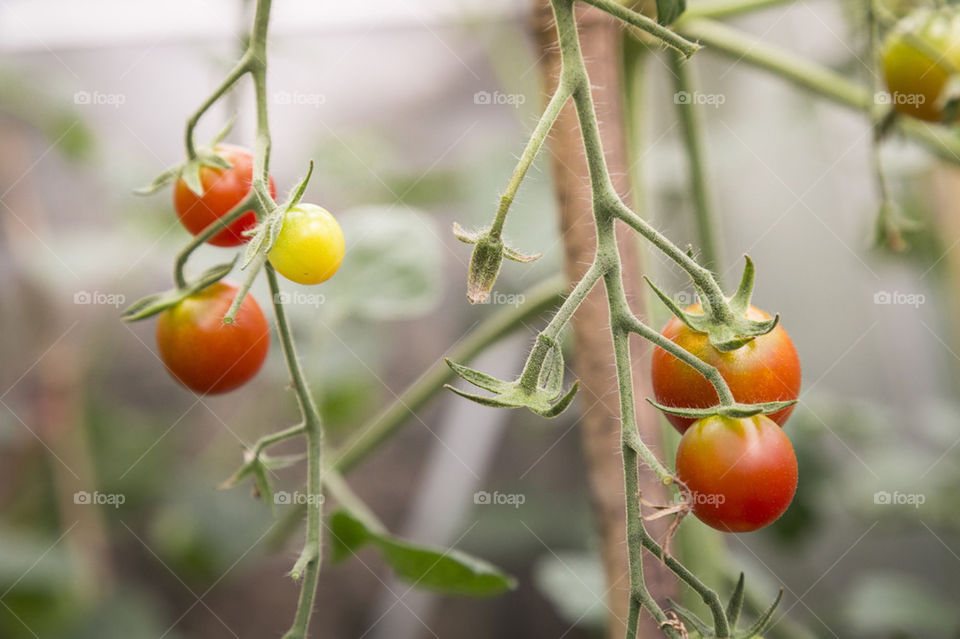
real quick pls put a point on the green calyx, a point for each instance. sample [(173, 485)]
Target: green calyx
[(724, 321), (488, 253), (693, 623), (737, 411), (189, 171), (539, 387), (158, 302), (265, 233)]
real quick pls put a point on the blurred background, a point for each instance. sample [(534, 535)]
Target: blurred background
[(414, 113)]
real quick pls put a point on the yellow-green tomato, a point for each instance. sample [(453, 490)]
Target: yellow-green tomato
[(919, 56), (310, 246)]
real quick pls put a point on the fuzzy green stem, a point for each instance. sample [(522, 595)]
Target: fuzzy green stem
[(607, 207), (275, 438), (634, 325), (313, 548), (639, 593), (728, 8), (238, 71), (607, 201), (814, 78), (689, 114), (250, 202), (534, 144), (707, 594), (713, 297), (252, 271), (644, 23), (547, 338)]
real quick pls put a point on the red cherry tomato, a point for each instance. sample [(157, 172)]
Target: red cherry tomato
[(742, 473), (223, 189), (202, 352), (765, 370)]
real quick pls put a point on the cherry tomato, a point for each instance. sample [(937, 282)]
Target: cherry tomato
[(310, 245), (223, 189), (202, 352), (919, 55), (742, 473), (766, 369)]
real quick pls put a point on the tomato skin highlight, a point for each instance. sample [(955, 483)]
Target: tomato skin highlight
[(742, 473), (918, 56), (222, 190), (203, 353), (767, 369), (310, 246)]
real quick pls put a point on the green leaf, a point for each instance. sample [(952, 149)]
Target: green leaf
[(447, 571), (160, 181), (158, 302), (394, 265), (669, 10), (190, 174)]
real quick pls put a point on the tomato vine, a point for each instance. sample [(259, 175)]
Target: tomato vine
[(724, 321)]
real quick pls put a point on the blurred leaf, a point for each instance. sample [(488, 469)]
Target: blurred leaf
[(33, 103), (201, 532), (669, 10), (576, 586), (128, 614), (393, 268), (444, 570), (346, 401), (881, 603), (34, 561)]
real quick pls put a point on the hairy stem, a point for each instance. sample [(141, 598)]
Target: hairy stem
[(707, 594), (814, 78), (238, 71), (689, 114), (313, 430), (644, 23), (250, 202), (729, 8), (634, 325), (607, 207), (537, 138), (252, 271)]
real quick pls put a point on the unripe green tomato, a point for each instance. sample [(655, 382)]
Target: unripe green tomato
[(919, 56), (310, 246)]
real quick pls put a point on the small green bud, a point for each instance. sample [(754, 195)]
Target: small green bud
[(484, 268)]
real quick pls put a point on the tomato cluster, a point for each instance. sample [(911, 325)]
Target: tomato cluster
[(741, 473), (197, 347)]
